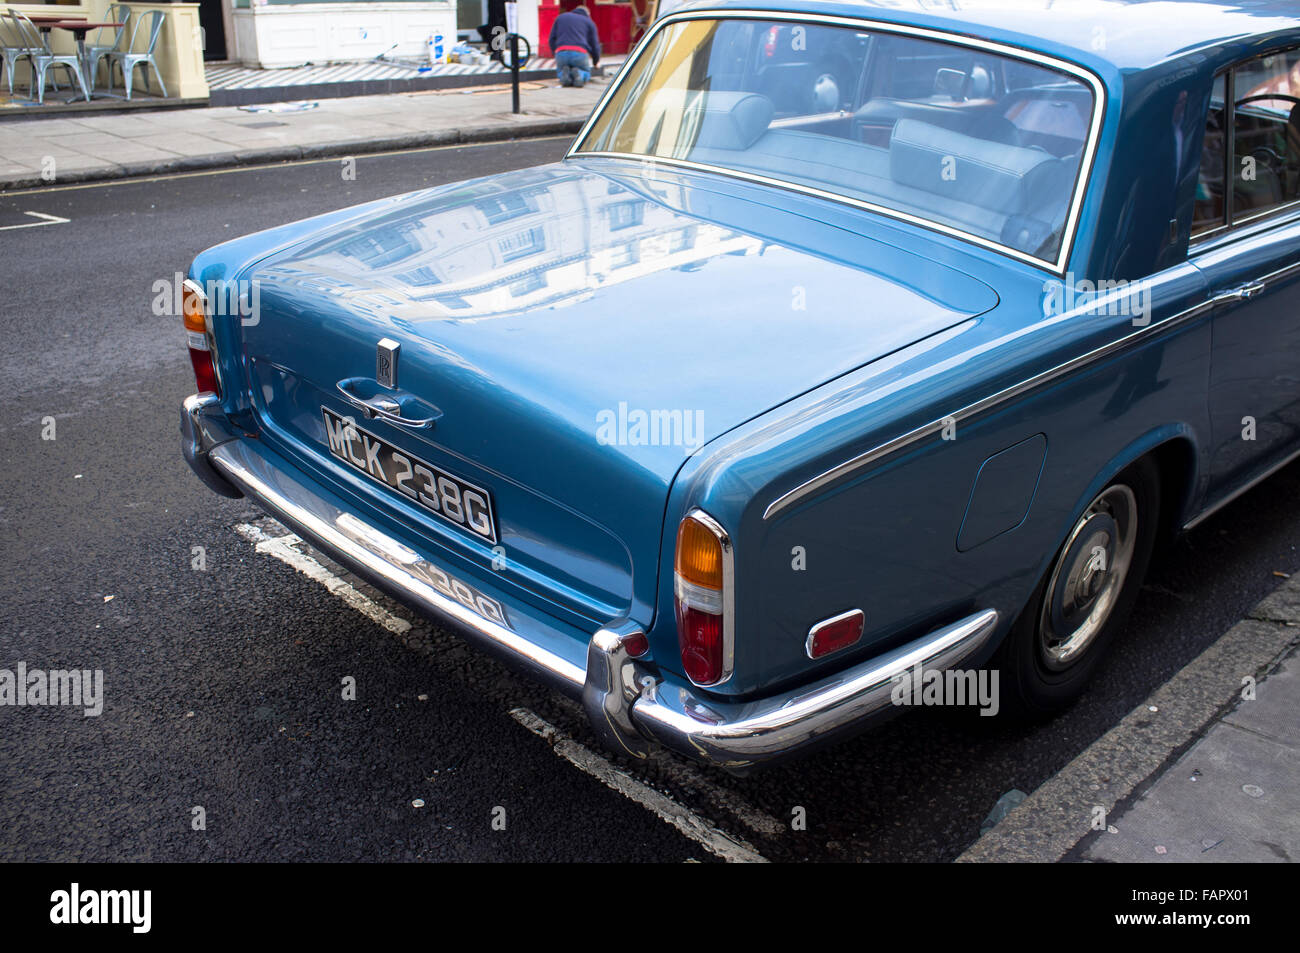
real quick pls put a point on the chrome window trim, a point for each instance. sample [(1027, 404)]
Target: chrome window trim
[(1244, 228), (728, 595), (1086, 162), (890, 447)]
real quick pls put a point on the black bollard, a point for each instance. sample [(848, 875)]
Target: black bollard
[(514, 71)]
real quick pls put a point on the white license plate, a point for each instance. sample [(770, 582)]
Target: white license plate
[(455, 500)]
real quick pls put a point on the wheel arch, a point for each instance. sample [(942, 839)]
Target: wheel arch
[(1174, 450)]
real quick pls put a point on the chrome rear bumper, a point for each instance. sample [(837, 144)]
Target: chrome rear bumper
[(628, 703)]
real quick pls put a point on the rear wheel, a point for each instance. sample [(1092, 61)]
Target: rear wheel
[(1088, 591)]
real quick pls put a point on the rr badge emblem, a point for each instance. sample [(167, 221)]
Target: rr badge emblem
[(386, 362)]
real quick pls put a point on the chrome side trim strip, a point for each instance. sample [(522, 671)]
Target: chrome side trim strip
[(1242, 490), (1086, 161), (863, 460), (740, 736), (1281, 274)]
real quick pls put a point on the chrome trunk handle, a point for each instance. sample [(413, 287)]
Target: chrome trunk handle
[(381, 407)]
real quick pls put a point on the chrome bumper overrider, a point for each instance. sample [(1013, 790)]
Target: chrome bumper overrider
[(628, 703)]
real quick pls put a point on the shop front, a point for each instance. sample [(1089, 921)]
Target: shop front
[(619, 23), (280, 33), (177, 51)]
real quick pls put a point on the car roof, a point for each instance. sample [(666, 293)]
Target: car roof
[(1108, 35)]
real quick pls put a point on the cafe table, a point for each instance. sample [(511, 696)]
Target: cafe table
[(78, 27)]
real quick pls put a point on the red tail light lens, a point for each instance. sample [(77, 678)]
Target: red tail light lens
[(700, 635), (194, 306), (701, 581), (205, 376), (835, 633)]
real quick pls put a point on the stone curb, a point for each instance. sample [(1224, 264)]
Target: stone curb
[(1057, 816), (495, 132)]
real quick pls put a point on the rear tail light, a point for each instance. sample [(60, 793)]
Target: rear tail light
[(194, 307), (702, 586)]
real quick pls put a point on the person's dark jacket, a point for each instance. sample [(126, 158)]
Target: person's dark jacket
[(576, 29), (495, 28)]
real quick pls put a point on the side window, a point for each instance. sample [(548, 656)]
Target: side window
[(1266, 134), (1252, 141)]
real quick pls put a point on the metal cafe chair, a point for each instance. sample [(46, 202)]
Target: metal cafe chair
[(13, 48), (127, 60), (42, 59), (97, 50)]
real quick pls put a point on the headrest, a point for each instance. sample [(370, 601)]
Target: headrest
[(729, 120), (1004, 178)]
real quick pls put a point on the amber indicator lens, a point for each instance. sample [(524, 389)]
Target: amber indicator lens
[(192, 304), (699, 554)]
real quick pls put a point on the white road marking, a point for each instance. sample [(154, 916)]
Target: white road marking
[(729, 848), (46, 220), (688, 776), (733, 849), (283, 549)]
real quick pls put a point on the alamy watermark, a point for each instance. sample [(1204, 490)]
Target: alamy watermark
[(78, 906), (1114, 298), (933, 687), (631, 427), (241, 299), (75, 688)]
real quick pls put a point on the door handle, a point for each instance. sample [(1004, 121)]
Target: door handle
[(381, 407), (1240, 293)]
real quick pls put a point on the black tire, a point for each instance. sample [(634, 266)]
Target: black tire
[(1036, 680)]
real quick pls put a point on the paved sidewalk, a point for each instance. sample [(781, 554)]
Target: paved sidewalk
[(1205, 770), (148, 142), (1233, 797)]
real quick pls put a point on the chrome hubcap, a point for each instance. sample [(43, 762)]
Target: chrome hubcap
[(1088, 577)]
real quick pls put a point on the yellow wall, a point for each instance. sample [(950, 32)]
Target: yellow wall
[(179, 54)]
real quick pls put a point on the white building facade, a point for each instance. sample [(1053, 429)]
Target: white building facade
[(274, 34)]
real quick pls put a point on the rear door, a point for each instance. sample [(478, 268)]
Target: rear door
[(1246, 241)]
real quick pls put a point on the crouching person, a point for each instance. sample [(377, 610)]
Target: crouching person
[(576, 46)]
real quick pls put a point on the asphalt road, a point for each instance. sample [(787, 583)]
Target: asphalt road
[(222, 685)]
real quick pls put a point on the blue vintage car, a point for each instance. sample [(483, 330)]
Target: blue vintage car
[(848, 338)]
